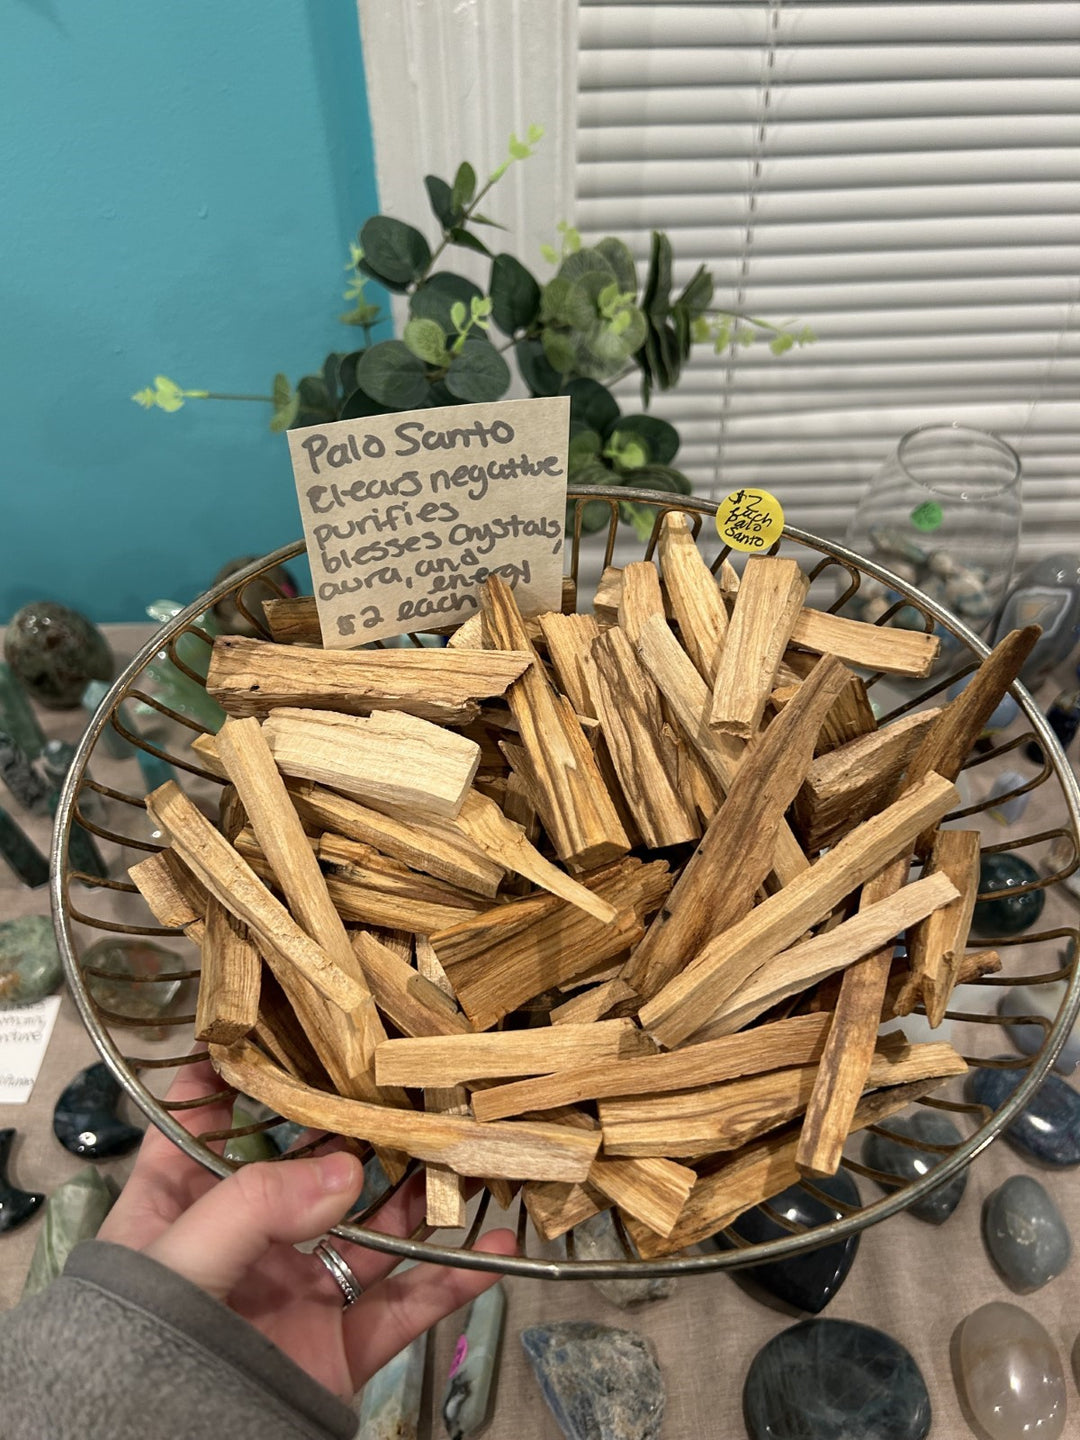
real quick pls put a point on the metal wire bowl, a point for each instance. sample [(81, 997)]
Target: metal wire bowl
[(112, 1032)]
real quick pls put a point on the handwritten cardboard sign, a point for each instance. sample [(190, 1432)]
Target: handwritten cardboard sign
[(406, 515), (25, 1031)]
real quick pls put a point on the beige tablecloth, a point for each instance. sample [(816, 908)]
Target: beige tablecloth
[(913, 1280)]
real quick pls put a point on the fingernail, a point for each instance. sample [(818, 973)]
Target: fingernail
[(338, 1173)]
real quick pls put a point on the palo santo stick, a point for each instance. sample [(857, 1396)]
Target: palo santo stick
[(228, 1004), (769, 600), (444, 1192), (755, 1174), (692, 998), (413, 1003), (653, 1190), (434, 846), (499, 960), (518, 1151), (278, 1031), (294, 621), (176, 899), (429, 965), (505, 843), (972, 966), (215, 862), (576, 808), (936, 945), (246, 756), (384, 759), (852, 714), (608, 593), (795, 1041), (701, 1122), (718, 885), (252, 677), (873, 647), (695, 597), (453, 1059), (804, 964), (645, 758), (862, 991), (555, 1208), (851, 783), (593, 1004), (688, 697)]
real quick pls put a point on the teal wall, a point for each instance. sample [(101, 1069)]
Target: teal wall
[(178, 186)]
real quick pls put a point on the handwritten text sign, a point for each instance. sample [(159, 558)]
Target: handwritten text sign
[(25, 1031), (406, 515), (750, 520)]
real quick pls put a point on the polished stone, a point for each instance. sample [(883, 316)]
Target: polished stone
[(169, 684), (21, 854), (247, 1149), (597, 1239), (120, 975), (911, 1164), (601, 1383), (1047, 593), (54, 652), (835, 1380), (1044, 1000), (25, 785), (73, 1212), (17, 714), (1011, 1375), (390, 1406), (30, 965), (470, 1382), (85, 1119), (1009, 914), (1048, 1128), (1027, 1238), (16, 1206), (808, 1281)]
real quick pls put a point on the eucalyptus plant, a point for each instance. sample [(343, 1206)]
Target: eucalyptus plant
[(592, 323)]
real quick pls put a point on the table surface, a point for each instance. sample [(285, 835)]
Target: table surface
[(914, 1280)]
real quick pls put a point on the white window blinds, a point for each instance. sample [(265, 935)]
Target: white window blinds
[(904, 178)]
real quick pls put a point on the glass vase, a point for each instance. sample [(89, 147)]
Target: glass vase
[(943, 513)]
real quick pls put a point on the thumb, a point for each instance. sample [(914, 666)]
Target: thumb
[(217, 1241)]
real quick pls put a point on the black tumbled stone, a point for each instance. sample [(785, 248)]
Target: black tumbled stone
[(911, 1164), (16, 1206), (835, 1380), (85, 1119)]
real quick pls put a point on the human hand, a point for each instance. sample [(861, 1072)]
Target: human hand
[(234, 1238)]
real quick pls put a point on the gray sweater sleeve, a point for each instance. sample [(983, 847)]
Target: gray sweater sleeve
[(121, 1347)]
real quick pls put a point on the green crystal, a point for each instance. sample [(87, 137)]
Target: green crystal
[(17, 715), (30, 965), (927, 516), (128, 986), (243, 1149), (73, 1213), (20, 852)]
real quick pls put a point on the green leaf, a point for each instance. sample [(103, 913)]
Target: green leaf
[(697, 293), (467, 241), (587, 262), (584, 448), (806, 336), (518, 151), (394, 252), (434, 299), (315, 400), (535, 134), (442, 201), (566, 302), (550, 254), (515, 295), (699, 330), (538, 375), (745, 335), (393, 375), (458, 315), (426, 340), (593, 405), (477, 219), (479, 373), (627, 452), (286, 404), (662, 477), (657, 301), (660, 438), (359, 404), (780, 343), (595, 514), (641, 518), (618, 256), (362, 315), (560, 350), (464, 186)]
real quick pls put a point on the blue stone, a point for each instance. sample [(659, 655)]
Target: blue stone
[(835, 1380), (1009, 914), (1046, 1001), (16, 1206), (911, 1164), (808, 1281), (85, 1119), (1048, 1128), (601, 1383), (1025, 1235)]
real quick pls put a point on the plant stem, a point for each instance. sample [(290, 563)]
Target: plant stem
[(445, 241), (221, 395), (750, 319)]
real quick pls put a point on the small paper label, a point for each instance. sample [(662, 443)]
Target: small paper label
[(461, 1352), (406, 515), (750, 520), (25, 1031)]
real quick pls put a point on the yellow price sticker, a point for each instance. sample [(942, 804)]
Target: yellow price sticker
[(750, 520)]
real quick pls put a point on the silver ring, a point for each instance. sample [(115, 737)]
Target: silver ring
[(350, 1286)]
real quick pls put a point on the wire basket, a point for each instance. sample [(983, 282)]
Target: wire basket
[(1028, 959)]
